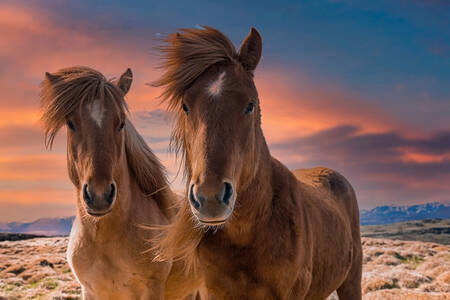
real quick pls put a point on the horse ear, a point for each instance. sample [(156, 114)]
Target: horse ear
[(250, 51), (124, 82), (51, 77)]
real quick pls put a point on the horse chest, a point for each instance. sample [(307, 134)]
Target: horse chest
[(243, 274), (107, 271)]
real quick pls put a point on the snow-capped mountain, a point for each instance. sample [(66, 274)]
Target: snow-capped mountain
[(46, 226), (393, 214)]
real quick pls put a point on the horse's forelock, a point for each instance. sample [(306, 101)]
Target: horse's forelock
[(186, 55), (67, 90)]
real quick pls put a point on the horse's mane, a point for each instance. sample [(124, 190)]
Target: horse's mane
[(143, 163), (67, 90)]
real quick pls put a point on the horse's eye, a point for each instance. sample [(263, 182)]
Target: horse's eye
[(70, 125), (185, 108), (250, 108), (121, 126)]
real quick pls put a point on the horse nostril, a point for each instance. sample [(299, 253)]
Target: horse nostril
[(227, 192), (192, 199), (112, 193), (87, 198)]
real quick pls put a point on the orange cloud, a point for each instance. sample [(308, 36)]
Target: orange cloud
[(34, 45), (412, 156), (37, 195), (295, 108), (30, 167), (410, 182), (16, 116)]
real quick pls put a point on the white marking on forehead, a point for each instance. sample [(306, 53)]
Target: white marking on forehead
[(215, 87), (97, 112)]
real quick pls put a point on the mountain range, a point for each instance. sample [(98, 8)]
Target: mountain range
[(376, 216), (393, 214), (45, 226)]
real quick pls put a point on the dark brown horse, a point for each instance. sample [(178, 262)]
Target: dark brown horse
[(120, 185), (253, 229)]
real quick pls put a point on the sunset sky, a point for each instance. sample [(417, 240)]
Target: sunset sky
[(361, 88)]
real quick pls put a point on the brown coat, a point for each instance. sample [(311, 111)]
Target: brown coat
[(120, 185), (250, 227)]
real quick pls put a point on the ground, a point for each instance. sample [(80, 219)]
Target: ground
[(429, 230), (37, 269)]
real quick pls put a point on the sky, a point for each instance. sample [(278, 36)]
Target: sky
[(362, 87)]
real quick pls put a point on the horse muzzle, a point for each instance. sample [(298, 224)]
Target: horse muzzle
[(99, 202), (212, 206)]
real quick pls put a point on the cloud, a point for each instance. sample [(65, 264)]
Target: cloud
[(56, 46), (17, 138), (293, 106), (13, 211), (383, 167), (30, 167), (37, 196)]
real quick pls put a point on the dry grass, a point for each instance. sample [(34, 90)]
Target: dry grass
[(37, 269), (405, 270), (428, 230)]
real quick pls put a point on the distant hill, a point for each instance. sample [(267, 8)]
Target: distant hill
[(393, 214), (376, 216), (46, 226), (18, 237), (428, 230)]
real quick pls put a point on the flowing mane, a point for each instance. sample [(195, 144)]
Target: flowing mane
[(145, 166), (66, 91), (186, 55)]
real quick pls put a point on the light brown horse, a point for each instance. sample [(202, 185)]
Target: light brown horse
[(120, 185), (252, 228)]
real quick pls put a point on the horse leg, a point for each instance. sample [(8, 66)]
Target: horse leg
[(350, 289)]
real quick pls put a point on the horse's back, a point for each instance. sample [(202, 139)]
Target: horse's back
[(324, 178), (327, 181)]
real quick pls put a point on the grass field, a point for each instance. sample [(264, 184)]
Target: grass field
[(393, 268)]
